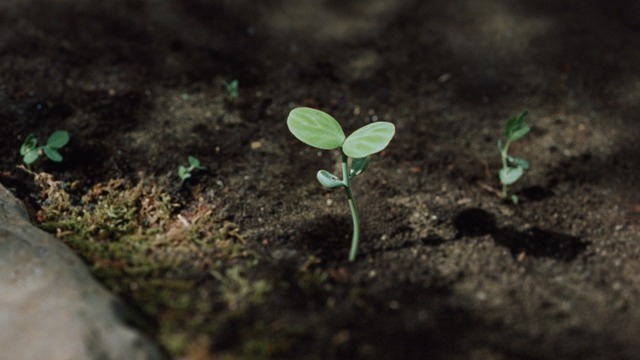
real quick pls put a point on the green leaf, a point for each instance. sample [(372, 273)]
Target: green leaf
[(369, 139), (524, 164), (358, 166), (58, 139), (183, 173), (30, 143), (195, 163), (31, 156), (515, 199), (520, 132), (329, 180), (52, 154), (516, 128), (315, 128), (509, 175)]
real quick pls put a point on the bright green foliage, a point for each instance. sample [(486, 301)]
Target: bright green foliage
[(320, 130), (30, 151), (184, 172), (512, 167)]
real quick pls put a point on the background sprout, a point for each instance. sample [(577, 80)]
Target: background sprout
[(232, 88), (184, 172), (30, 151), (512, 167), (320, 130)]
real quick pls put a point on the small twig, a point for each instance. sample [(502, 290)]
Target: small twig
[(490, 189)]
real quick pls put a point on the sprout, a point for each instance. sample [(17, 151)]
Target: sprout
[(320, 130)]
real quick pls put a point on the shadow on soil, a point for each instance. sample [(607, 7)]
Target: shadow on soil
[(535, 242), (328, 237)]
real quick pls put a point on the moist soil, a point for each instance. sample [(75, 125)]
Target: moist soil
[(446, 269)]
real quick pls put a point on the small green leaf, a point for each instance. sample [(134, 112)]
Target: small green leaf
[(52, 154), (232, 89), (512, 124), (31, 156), (58, 139), (520, 132), (358, 166), (193, 161), (30, 143), (524, 164), (515, 199), (369, 139), (329, 180), (510, 175), (516, 128), (315, 128), (183, 173)]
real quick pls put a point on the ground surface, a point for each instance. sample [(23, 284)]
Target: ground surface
[(446, 269)]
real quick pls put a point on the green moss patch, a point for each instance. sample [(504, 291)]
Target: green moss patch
[(188, 275)]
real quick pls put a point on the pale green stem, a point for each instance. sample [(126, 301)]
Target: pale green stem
[(504, 153), (355, 240)]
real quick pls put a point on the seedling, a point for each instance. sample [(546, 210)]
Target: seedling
[(512, 167), (320, 130), (232, 88), (184, 172), (30, 150)]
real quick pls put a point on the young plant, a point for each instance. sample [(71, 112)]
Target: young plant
[(30, 151), (184, 172), (320, 130), (232, 88), (512, 167)]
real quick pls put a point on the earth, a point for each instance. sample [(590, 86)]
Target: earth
[(446, 268)]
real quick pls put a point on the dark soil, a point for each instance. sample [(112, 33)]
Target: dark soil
[(446, 270)]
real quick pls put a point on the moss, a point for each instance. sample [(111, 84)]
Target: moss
[(188, 274)]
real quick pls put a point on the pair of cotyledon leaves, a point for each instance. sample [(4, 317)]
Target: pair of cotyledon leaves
[(319, 129), (30, 150)]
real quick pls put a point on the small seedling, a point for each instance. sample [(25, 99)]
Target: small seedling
[(30, 151), (232, 88), (320, 130), (512, 167), (184, 172)]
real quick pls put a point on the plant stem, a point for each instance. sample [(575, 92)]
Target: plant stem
[(504, 154), (355, 240)]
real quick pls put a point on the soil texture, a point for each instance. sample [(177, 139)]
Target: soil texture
[(446, 269)]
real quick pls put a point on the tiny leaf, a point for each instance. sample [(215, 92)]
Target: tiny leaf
[(511, 125), (516, 128), (29, 144), (358, 166), (58, 139), (315, 128), (514, 199), (520, 132), (183, 173), (524, 164), (509, 175), (31, 156), (369, 139), (52, 154), (193, 161), (329, 180)]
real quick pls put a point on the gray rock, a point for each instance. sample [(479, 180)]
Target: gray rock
[(50, 306)]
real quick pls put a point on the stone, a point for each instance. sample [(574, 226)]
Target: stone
[(50, 305)]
